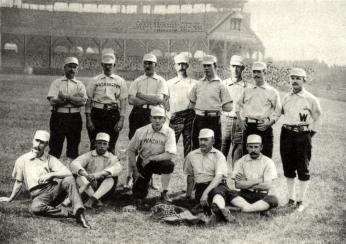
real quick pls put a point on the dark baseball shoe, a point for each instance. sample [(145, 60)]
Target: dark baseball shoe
[(164, 197), (223, 214), (266, 214), (291, 203)]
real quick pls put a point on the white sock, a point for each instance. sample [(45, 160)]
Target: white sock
[(303, 186)]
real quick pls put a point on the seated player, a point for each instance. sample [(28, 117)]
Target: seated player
[(206, 170), (253, 175), (50, 183), (97, 171)]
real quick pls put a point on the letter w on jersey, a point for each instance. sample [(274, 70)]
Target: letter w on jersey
[(303, 117)]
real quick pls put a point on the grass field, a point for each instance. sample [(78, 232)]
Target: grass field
[(24, 108)]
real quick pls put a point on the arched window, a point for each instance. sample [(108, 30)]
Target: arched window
[(78, 50), (12, 47), (92, 50), (61, 49), (108, 50), (199, 54), (157, 52)]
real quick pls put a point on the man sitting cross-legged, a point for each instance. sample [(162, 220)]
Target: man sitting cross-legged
[(97, 171), (253, 175), (206, 170)]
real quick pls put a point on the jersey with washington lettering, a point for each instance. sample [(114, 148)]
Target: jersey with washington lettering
[(147, 142)]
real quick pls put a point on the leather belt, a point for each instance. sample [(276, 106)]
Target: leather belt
[(256, 191), (67, 110), (147, 106), (251, 121), (297, 128), (229, 116), (105, 106), (207, 113)]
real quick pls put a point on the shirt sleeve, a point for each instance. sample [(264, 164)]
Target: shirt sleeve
[(90, 88), (316, 115), (82, 91), (193, 94), (221, 165), (114, 167), (237, 168), (277, 106), (240, 102), (56, 166), (224, 94), (18, 170), (53, 91), (134, 142), (270, 172), (123, 90), (188, 170), (170, 145), (163, 88), (80, 163), (133, 88)]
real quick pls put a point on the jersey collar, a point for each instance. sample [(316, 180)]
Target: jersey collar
[(213, 150), (301, 93), (94, 154), (248, 158), (215, 78), (32, 156), (103, 76), (66, 79), (264, 86)]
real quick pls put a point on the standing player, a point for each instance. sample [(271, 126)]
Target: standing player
[(209, 97), (181, 115), (106, 106), (301, 117), (258, 108), (146, 91), (66, 95), (232, 134)]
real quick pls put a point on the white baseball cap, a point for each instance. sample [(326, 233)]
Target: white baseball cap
[(181, 58), (42, 135), (209, 59), (206, 133), (297, 72), (150, 57), (237, 60), (254, 139), (108, 58), (71, 60), (158, 111), (259, 66), (102, 137)]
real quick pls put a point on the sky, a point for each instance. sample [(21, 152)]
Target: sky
[(301, 29)]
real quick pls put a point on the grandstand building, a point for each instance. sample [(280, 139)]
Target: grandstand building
[(40, 33)]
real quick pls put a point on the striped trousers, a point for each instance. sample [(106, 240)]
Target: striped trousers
[(181, 122)]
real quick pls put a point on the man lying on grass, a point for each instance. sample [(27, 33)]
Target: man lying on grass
[(50, 183)]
